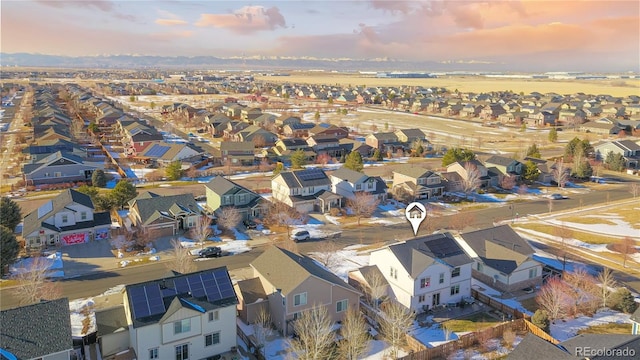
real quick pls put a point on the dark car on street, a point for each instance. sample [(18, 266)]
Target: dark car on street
[(249, 224), (211, 251)]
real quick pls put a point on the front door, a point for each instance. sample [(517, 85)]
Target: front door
[(436, 300)]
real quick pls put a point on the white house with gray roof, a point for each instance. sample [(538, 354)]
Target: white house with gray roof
[(426, 272), (59, 167), (346, 182), (67, 219), (418, 182), (306, 190), (627, 148)]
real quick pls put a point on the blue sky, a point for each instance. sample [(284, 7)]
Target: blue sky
[(511, 31)]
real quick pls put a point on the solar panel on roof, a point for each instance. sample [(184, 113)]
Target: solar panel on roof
[(139, 304), (196, 286), (181, 285), (154, 298), (157, 150), (311, 174)]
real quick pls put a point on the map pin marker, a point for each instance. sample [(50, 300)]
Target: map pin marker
[(415, 213)]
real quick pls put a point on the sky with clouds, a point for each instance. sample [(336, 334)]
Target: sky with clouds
[(573, 34)]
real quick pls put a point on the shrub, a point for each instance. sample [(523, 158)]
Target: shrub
[(541, 319), (622, 300)]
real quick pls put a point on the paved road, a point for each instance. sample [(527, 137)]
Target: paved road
[(100, 282)]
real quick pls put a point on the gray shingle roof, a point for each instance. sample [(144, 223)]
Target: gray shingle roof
[(499, 160), (286, 270), (499, 247), (66, 197), (413, 171), (533, 347), (351, 176), (34, 331), (304, 178), (251, 290), (146, 204), (417, 254), (111, 319), (596, 341)]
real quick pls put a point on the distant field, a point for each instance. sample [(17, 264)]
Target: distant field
[(615, 87)]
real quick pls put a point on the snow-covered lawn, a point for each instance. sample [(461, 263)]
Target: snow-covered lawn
[(566, 329), (432, 336), (621, 227), (495, 294), (226, 245), (52, 263), (76, 309), (345, 260)]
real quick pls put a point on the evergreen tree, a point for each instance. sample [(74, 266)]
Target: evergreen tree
[(533, 151), (354, 161), (583, 171), (615, 161), (9, 248), (530, 172), (122, 193), (278, 169), (98, 178), (377, 155), (10, 215), (174, 170), (92, 191), (553, 135), (298, 159), (541, 319), (316, 116), (457, 154)]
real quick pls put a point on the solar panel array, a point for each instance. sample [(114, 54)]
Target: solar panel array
[(311, 174), (157, 150), (443, 247), (146, 300)]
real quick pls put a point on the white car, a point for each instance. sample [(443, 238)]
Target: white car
[(300, 236), (556, 197)]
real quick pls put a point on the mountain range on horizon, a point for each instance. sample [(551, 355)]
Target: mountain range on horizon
[(268, 63)]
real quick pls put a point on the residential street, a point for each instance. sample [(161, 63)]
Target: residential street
[(101, 281)]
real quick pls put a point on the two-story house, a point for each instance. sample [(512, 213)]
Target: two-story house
[(418, 182), (627, 148), (425, 272), (59, 167), (408, 136), (305, 190), (346, 182), (164, 215), (38, 331), (293, 283), (297, 129), (329, 130), (507, 166), (237, 153), (284, 147), (329, 145), (221, 193), (382, 141), (463, 168), (67, 219), (502, 259), (190, 316)]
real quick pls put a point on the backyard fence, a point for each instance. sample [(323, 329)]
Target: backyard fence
[(514, 313)]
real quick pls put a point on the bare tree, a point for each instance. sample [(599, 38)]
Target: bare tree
[(34, 283), (192, 172), (507, 182), (182, 261), (446, 328), (323, 159), (123, 242), (508, 338), (607, 282), (554, 297), (229, 217), (375, 287), (634, 189), (626, 247), (354, 333), (395, 322), (564, 234), (586, 293), (362, 205), (315, 336), (262, 329), (560, 173), (201, 230), (471, 180), (327, 254), (259, 141), (282, 214)]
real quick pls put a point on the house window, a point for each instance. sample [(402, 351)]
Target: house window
[(153, 353), (424, 282), (83, 216), (311, 189), (455, 289), (455, 272), (358, 187), (213, 316), (182, 352), (421, 298), (394, 273), (297, 315), (479, 267), (300, 299), (341, 305), (182, 326), (212, 339), (441, 281), (533, 273), (65, 218)]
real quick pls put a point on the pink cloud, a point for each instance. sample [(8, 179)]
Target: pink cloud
[(170, 22), (392, 6), (104, 5), (247, 20), (171, 35)]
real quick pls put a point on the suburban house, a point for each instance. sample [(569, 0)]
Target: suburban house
[(329, 130), (506, 166), (306, 190), (112, 331), (164, 153), (297, 129), (545, 168), (635, 321), (237, 153), (39, 331), (379, 140), (425, 272), (256, 135), (59, 167), (627, 148), (346, 182), (600, 128), (418, 182), (163, 215), (292, 283), (502, 259), (410, 135), (221, 193), (329, 145), (284, 147), (67, 219), (190, 316), (463, 169)]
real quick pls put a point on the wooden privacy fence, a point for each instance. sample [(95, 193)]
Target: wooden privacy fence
[(515, 313)]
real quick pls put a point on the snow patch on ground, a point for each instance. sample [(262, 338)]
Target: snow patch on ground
[(52, 263), (563, 330), (79, 310), (621, 227)]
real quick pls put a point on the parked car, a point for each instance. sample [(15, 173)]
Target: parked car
[(249, 224), (300, 236), (211, 251), (556, 197)]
